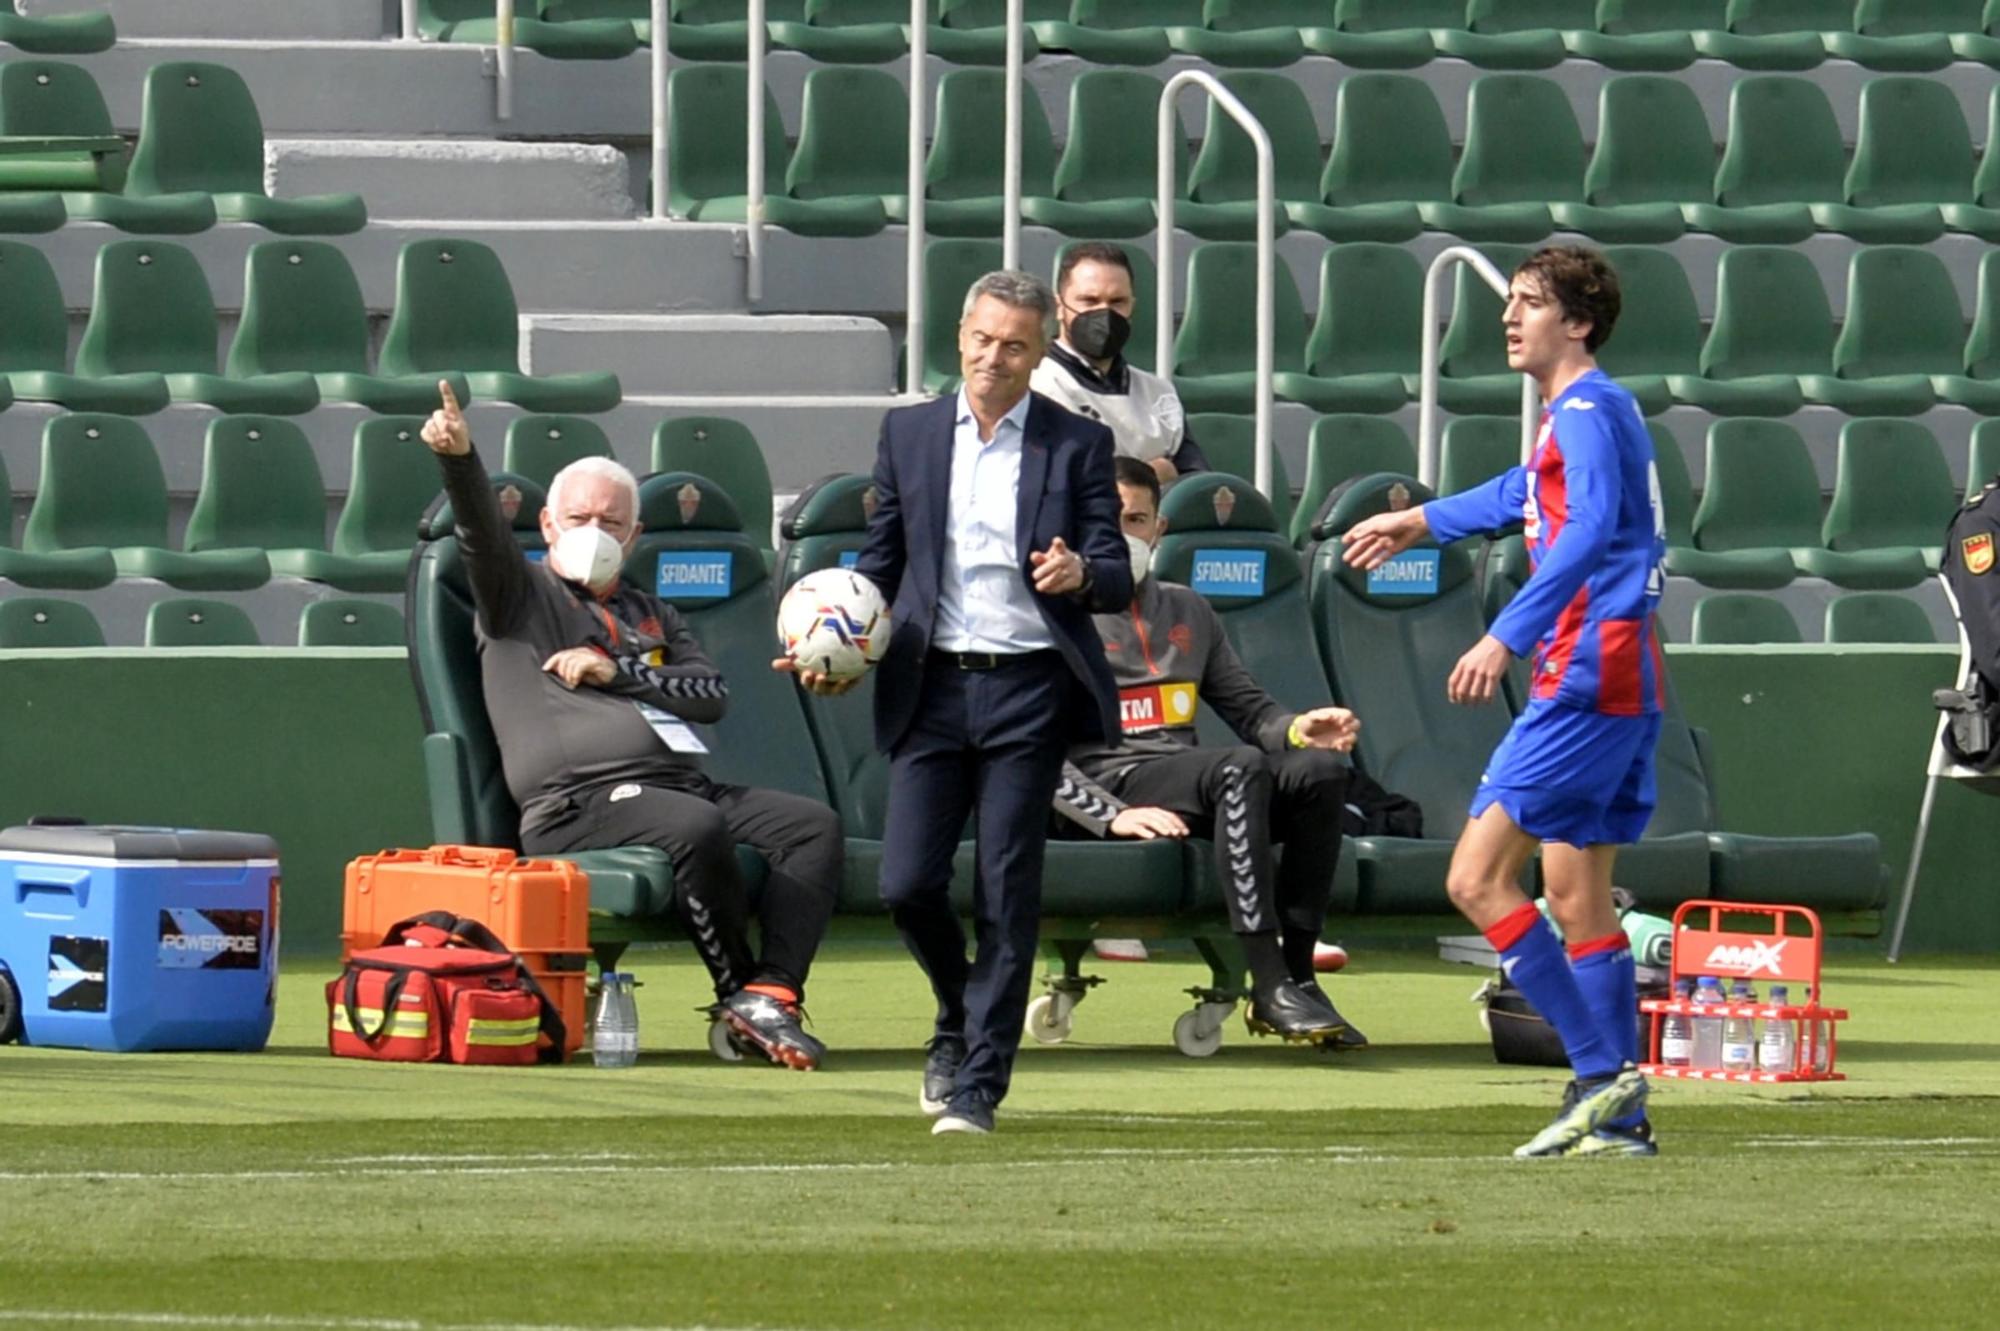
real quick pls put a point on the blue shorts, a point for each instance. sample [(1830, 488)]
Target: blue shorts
[(1581, 778)]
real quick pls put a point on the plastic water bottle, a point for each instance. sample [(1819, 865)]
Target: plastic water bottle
[(1739, 1034), (1778, 1050), (1677, 1031), (614, 1036), (1822, 1030), (1707, 1030)]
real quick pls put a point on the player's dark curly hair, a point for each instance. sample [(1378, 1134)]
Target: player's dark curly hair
[(1583, 283)]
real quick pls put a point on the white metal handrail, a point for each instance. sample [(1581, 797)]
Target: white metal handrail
[(503, 36), (659, 54), (1010, 226), (1427, 431), (1266, 253), (411, 32), (913, 273), (753, 202)]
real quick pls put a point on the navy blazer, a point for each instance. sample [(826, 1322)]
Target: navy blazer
[(1067, 489)]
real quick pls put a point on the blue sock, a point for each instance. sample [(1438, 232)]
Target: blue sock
[(1606, 977), (1531, 957)]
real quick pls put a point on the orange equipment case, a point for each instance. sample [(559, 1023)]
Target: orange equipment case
[(539, 908), (1774, 955)]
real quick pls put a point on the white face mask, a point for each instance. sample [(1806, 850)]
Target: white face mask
[(587, 555), (1142, 558)]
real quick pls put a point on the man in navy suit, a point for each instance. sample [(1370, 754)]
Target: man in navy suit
[(995, 538)]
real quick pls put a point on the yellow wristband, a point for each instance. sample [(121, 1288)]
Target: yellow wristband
[(1294, 737)]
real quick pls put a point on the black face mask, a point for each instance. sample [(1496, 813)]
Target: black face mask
[(1100, 334)]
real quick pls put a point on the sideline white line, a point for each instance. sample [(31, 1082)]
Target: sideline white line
[(277, 1321)]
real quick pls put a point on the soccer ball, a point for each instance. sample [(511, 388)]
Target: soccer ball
[(834, 622)]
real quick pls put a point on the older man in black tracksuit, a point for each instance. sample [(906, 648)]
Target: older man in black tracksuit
[(590, 684), (1283, 783)]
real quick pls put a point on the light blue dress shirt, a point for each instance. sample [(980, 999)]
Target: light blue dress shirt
[(984, 601)]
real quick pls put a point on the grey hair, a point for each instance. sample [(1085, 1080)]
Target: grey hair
[(1024, 291), (594, 466)]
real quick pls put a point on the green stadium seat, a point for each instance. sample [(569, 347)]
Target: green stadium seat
[(1523, 145), (1658, 335), (1472, 354), (1653, 146), (1982, 345), (571, 38), (538, 446), (1215, 351), (712, 29), (57, 99), (29, 213), (1312, 20), (1388, 40), (1772, 323), (1743, 617), (1266, 45), (1706, 22), (845, 31), (1575, 23), (261, 488), (1762, 494), (1785, 147), (1145, 288), (455, 311), (1112, 153), (1443, 22), (44, 622), (56, 34), (1914, 148), (1475, 449), (393, 480), (152, 312), (61, 570), (706, 134), (1340, 448), (1891, 490), (185, 621), (1740, 570), (1986, 181), (1906, 35), (347, 622), (1368, 339), (1216, 525), (853, 140), (1230, 443), (1903, 318), (726, 452), (1980, 42), (1053, 24), (102, 488), (1388, 647), (964, 172), (34, 345), (1877, 617), (636, 14), (199, 130), (950, 268), (1390, 146), (1983, 461), (303, 312), (1225, 171)]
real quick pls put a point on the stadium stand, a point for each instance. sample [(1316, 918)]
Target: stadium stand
[(34, 344), (1341, 448), (1230, 442), (725, 452), (349, 622), (195, 622), (538, 446), (1742, 617), (1876, 617), (39, 621)]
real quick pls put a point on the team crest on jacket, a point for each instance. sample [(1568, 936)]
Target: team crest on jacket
[(1225, 505), (1399, 497), (1978, 551), (870, 501), (689, 499), (510, 501)]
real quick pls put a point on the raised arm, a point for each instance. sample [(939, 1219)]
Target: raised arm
[(494, 564)]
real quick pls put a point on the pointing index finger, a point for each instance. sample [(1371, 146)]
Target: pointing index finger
[(450, 398)]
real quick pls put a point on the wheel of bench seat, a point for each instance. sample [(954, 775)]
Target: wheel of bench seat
[(1049, 1018)]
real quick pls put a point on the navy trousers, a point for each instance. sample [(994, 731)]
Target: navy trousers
[(985, 744)]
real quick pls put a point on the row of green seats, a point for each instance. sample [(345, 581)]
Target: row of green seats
[(1389, 172), (44, 622), (1392, 34), (56, 34), (303, 337), (199, 158), (1851, 617), (101, 510)]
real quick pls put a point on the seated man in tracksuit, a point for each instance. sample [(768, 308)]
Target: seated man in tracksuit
[(590, 684), (1283, 784)]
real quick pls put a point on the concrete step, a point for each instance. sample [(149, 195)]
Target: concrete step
[(782, 355), (458, 179), (213, 20)]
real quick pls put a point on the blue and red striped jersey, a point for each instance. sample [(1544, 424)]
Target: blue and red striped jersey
[(1590, 501)]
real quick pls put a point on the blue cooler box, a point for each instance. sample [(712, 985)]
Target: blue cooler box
[(134, 938)]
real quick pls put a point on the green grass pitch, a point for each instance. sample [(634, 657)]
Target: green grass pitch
[(1127, 1187)]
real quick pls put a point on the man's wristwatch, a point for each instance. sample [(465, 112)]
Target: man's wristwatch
[(1084, 573)]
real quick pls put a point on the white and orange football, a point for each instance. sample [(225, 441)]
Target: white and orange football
[(835, 622)]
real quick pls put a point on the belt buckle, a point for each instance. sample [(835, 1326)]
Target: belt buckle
[(978, 660)]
